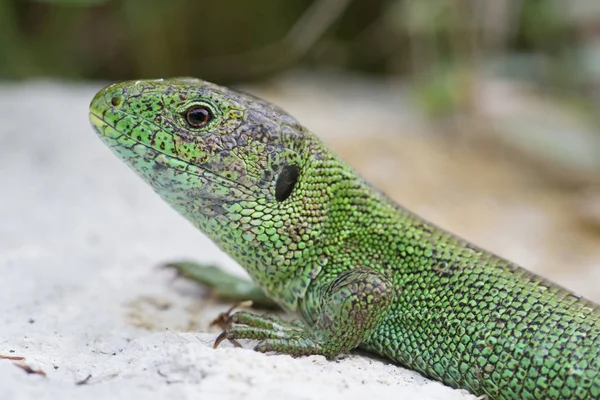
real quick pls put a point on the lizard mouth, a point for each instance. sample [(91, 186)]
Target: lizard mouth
[(130, 149), (96, 121)]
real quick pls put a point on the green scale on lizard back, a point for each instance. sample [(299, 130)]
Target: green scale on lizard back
[(359, 269)]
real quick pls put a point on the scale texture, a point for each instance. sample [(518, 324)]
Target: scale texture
[(360, 270)]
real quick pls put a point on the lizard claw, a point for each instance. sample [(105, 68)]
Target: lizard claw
[(225, 335), (224, 320), (220, 339)]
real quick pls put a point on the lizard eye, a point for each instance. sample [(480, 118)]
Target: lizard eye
[(198, 116), (286, 181)]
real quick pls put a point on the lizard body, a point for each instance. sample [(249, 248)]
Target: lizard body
[(362, 271)]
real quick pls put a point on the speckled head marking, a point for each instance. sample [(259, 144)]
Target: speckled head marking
[(227, 161)]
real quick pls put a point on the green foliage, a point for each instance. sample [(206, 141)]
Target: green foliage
[(443, 91), (438, 45), (74, 2)]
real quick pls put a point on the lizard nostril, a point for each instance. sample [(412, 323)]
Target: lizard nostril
[(116, 100)]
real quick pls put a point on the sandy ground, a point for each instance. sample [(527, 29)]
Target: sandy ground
[(83, 301)]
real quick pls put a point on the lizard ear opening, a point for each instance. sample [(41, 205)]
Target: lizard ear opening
[(286, 181)]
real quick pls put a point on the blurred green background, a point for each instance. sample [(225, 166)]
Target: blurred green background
[(554, 43), (437, 45)]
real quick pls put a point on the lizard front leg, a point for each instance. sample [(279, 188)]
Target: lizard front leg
[(223, 286), (350, 309)]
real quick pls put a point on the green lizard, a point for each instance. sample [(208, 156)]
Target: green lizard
[(360, 270)]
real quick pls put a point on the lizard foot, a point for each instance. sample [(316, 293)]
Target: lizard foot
[(353, 305), (273, 333)]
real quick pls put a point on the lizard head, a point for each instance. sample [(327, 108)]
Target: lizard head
[(229, 162), (199, 144)]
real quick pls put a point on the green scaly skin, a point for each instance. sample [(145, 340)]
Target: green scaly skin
[(360, 270)]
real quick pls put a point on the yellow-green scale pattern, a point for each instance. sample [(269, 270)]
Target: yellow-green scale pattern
[(360, 270)]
